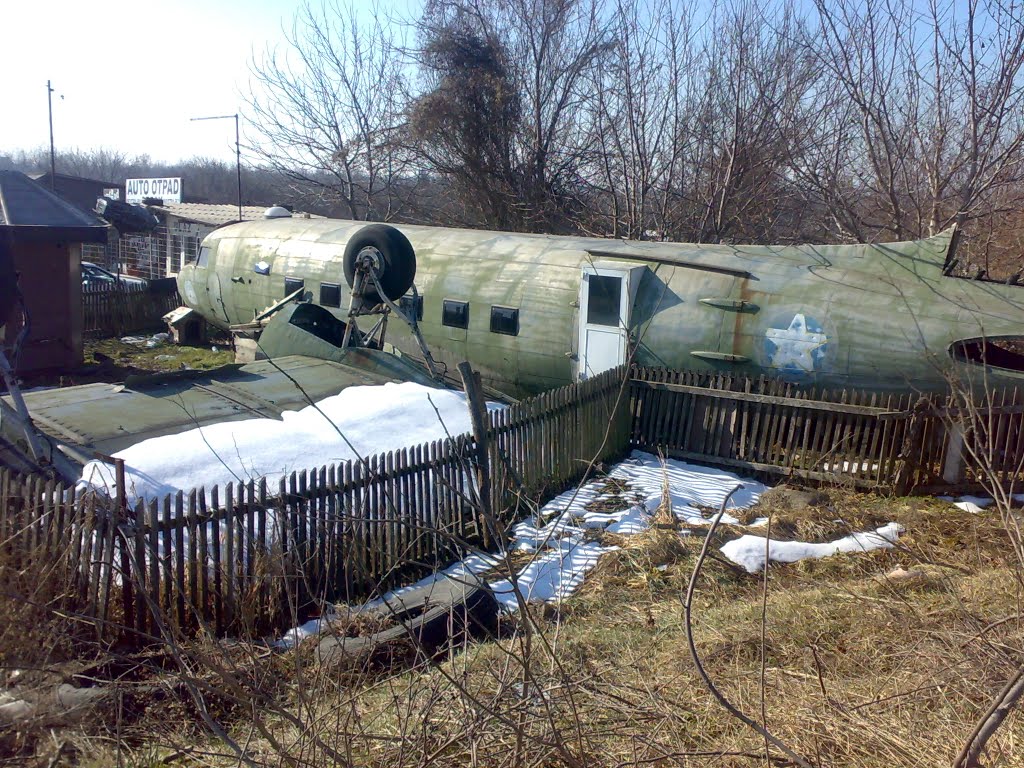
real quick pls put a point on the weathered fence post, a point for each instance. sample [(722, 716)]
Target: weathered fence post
[(478, 416), (953, 465)]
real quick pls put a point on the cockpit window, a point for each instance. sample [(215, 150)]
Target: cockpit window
[(1005, 352), (204, 256)]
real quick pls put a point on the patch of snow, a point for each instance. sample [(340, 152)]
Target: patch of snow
[(972, 504), (969, 506), (749, 551), (373, 419), (296, 635), (563, 557), (978, 501), (552, 576), (556, 534)]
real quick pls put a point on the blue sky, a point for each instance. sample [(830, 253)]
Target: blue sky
[(132, 73)]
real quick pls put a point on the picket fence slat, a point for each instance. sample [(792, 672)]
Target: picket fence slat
[(117, 310)]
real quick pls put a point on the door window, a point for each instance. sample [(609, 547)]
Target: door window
[(605, 293)]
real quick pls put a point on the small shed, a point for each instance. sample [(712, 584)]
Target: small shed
[(43, 235)]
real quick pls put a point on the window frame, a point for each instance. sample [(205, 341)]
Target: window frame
[(445, 303), (497, 308), (330, 286), (298, 283)]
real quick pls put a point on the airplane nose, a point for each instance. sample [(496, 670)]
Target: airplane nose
[(186, 285)]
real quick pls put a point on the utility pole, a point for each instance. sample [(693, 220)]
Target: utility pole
[(238, 153), (53, 158), (238, 167)]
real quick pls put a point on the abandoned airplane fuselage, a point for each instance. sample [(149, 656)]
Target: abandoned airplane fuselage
[(533, 311)]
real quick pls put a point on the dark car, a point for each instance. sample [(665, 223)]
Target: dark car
[(97, 277), (127, 218)]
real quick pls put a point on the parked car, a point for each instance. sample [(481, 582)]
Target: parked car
[(94, 276)]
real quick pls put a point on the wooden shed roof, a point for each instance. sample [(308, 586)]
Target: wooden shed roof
[(35, 214)]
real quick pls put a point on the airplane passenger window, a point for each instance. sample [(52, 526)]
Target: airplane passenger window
[(505, 320), (455, 314), (330, 294), (293, 284), (605, 291), (406, 305)]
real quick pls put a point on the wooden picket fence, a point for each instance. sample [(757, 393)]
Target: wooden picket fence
[(256, 556), (777, 429), (967, 442), (129, 308), (252, 557)]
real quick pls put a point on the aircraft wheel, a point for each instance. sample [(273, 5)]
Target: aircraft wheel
[(394, 257)]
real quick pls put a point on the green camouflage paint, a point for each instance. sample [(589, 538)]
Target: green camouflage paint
[(880, 316)]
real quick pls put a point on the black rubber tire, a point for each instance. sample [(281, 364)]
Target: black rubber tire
[(398, 269)]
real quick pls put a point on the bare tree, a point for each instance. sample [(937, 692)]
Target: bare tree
[(329, 104), (636, 117), (546, 48), (464, 127), (746, 112), (929, 129), (101, 163)]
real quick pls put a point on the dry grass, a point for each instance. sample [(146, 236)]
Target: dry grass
[(39, 647), (861, 669)]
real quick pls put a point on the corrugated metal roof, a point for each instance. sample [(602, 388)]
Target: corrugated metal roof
[(38, 214), (216, 214), (45, 178)]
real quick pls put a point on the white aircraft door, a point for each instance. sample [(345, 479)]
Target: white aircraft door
[(604, 319)]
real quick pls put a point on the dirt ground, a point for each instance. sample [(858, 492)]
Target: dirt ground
[(871, 659), (115, 359)]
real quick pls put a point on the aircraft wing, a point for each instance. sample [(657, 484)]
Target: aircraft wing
[(107, 418)]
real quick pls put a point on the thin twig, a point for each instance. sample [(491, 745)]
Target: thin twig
[(990, 722), (764, 624), (687, 611)]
